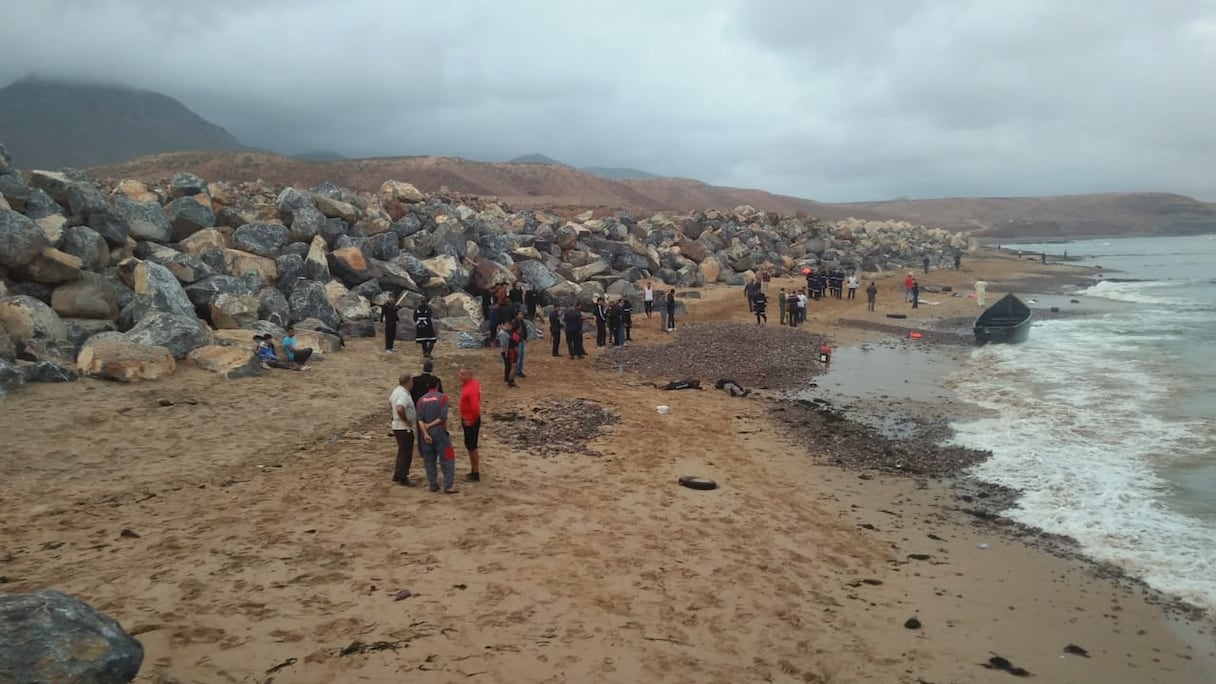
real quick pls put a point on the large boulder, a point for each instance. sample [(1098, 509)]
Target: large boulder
[(397, 191), (91, 296), (291, 269), (186, 185), (239, 263), (52, 183), (81, 329), (537, 275), (84, 199), (332, 207), (145, 220), (110, 227), (48, 371), (21, 241), (273, 306), (88, 245), (263, 239), (202, 292), (122, 360), (157, 285), (51, 267), (351, 266), (309, 300), (187, 268), (349, 305), (449, 270), (316, 263), (179, 334), (49, 636), (31, 324), (204, 241), (234, 310), (231, 361), (188, 215)]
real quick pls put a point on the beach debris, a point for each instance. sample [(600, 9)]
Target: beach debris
[(912, 623), (1074, 301), (997, 662), (402, 595), (286, 663), (699, 483), (359, 647), (763, 357), (982, 547), (663, 408), (919, 556), (554, 427), (165, 402), (1076, 650), (128, 533)]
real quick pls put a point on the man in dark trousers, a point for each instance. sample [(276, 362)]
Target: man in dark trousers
[(627, 314), (388, 314), (615, 325), (926, 262), (601, 322), (760, 306), (531, 299), (402, 406), (516, 295), (871, 296), (555, 328), (435, 442), (573, 320), (915, 294)]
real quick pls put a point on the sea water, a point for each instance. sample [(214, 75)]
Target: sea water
[(1106, 420)]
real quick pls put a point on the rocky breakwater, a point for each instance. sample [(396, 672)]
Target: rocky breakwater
[(123, 280)]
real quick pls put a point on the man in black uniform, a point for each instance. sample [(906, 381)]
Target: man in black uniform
[(601, 322), (424, 381), (555, 328), (389, 314), (627, 312), (573, 318), (516, 295), (531, 299), (760, 306)]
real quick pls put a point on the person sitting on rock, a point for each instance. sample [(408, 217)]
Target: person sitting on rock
[(294, 353)]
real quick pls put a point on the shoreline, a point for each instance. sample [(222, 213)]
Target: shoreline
[(274, 534)]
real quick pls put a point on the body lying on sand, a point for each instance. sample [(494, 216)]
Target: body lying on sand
[(274, 539)]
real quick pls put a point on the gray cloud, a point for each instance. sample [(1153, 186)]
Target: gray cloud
[(803, 97)]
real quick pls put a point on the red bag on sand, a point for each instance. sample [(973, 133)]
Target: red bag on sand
[(450, 454)]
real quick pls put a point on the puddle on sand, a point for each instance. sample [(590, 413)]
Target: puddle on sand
[(879, 372)]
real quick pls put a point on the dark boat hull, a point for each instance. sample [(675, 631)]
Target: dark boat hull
[(1005, 322)]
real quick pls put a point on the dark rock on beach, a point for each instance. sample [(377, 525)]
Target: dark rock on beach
[(49, 636)]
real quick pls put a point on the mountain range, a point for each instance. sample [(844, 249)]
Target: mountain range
[(120, 132)]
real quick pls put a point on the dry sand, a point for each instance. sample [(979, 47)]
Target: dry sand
[(265, 534)]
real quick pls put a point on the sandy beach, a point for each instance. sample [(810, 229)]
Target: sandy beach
[(248, 530)]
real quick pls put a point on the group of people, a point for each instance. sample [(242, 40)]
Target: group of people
[(820, 284), (792, 305), (424, 323), (912, 290), (295, 356), (420, 414)]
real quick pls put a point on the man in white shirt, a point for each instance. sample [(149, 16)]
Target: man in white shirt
[(802, 307), (404, 419), (648, 298), (981, 289), (853, 283)]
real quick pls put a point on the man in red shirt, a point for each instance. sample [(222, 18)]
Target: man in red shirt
[(470, 420)]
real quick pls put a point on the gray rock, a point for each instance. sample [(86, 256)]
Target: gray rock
[(88, 245), (352, 266), (48, 371), (406, 226), (186, 268), (299, 249), (449, 240), (291, 268), (370, 290), (145, 220), (332, 231), (188, 216), (91, 296), (384, 246), (230, 311), (305, 224), (359, 328), (32, 324), (39, 204), (81, 329), (274, 307), (201, 293), (84, 199), (11, 377), (160, 286), (291, 200), (49, 636), (8, 349), (21, 240), (308, 300), (262, 239), (186, 185), (328, 189), (537, 275), (316, 262), (110, 227), (179, 334)]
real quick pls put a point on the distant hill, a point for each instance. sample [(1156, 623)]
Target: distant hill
[(535, 158), (523, 184), (320, 155), (619, 174), (51, 124)]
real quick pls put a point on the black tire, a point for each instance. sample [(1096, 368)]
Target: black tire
[(897, 315), (700, 483)]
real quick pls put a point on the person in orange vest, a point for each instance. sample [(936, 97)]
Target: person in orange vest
[(908, 287)]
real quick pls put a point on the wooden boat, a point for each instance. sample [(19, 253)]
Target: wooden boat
[(1007, 322)]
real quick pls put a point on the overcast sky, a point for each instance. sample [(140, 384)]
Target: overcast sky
[(823, 99)]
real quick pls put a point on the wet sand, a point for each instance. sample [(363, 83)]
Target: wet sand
[(268, 544)]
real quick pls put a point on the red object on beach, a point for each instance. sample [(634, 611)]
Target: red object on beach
[(915, 335), (825, 354), (806, 271)]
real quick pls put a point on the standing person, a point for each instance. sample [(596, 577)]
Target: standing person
[(981, 289), (520, 328), (470, 420), (516, 295), (791, 305), (435, 443), (425, 381), (295, 354), (486, 300), (908, 287), (781, 305), (802, 301), (508, 345), (765, 277), (627, 317), (926, 261), (853, 283), (389, 315), (871, 295), (616, 325), (958, 260), (760, 307), (648, 298), (531, 299), (573, 320), (401, 404), (749, 290), (670, 304), (915, 294), (424, 328), (555, 328), (601, 322)]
